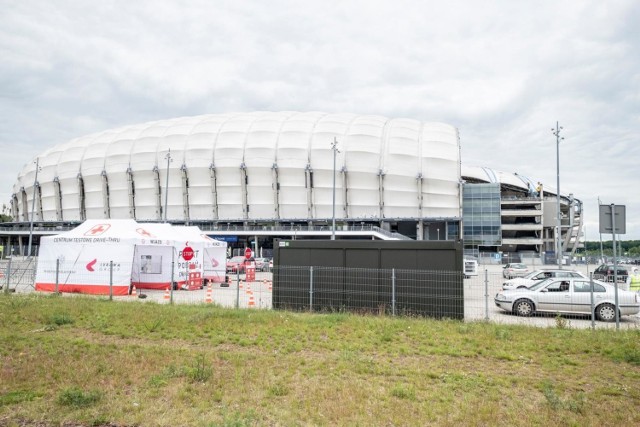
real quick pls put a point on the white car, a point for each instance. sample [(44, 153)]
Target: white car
[(569, 295), (537, 275)]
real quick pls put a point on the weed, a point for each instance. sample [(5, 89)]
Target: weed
[(18, 396), (199, 372), (562, 322), (278, 390), (154, 325), (77, 398), (158, 381), (503, 334), (628, 353), (403, 391), (238, 420), (552, 397), (574, 404), (60, 319), (100, 420)]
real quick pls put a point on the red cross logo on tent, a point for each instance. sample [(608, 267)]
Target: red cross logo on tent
[(144, 232), (97, 230)]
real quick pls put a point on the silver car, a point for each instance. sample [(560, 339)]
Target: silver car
[(515, 269), (569, 295), (537, 275)]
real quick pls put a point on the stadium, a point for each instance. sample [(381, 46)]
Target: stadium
[(249, 177)]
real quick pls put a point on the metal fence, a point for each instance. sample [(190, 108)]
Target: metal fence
[(391, 292)]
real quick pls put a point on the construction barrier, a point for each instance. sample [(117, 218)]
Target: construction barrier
[(209, 297)]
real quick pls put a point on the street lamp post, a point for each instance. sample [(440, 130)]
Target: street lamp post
[(601, 251), (556, 132), (334, 147), (33, 207), (166, 187)]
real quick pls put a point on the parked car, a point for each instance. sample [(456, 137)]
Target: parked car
[(569, 295), (262, 264), (537, 275), (238, 263), (512, 270), (605, 273)]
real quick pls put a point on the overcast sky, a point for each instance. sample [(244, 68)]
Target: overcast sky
[(502, 72)]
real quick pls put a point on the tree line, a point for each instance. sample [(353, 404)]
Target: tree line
[(629, 248)]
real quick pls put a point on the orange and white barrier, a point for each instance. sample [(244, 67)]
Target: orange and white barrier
[(209, 298)]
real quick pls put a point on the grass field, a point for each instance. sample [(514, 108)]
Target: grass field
[(83, 361)]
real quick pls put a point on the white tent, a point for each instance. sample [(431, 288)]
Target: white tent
[(209, 255), (197, 257), (80, 260)]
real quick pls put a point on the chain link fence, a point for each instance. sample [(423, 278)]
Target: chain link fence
[(391, 292)]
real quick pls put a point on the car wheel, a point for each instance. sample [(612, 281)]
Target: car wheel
[(606, 312), (523, 307), (522, 287)]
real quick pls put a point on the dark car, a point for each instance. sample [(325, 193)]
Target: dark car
[(605, 273)]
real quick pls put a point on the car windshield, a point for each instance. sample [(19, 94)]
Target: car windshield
[(531, 275), (540, 284)]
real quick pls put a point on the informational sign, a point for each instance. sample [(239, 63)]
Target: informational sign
[(247, 253), (228, 239), (610, 215), (187, 253)]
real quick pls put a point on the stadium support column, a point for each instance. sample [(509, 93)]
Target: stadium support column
[(105, 195), (276, 191), (156, 178), (244, 181), (420, 223), (58, 198), (345, 205), (309, 180), (25, 204), (381, 194), (15, 211), (214, 191), (185, 193), (132, 192), (81, 199)]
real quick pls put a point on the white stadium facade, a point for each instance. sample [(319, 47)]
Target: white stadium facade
[(250, 177)]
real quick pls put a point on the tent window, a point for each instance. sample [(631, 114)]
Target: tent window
[(151, 264)]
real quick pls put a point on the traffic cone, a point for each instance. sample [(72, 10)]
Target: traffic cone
[(241, 285), (134, 292), (252, 302), (167, 295), (270, 288), (208, 298)]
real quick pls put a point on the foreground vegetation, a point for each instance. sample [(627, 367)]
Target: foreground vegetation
[(82, 361)]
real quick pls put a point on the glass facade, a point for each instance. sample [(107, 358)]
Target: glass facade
[(481, 215)]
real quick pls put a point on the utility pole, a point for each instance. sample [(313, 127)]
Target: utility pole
[(33, 207), (334, 147), (556, 132), (601, 251)]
